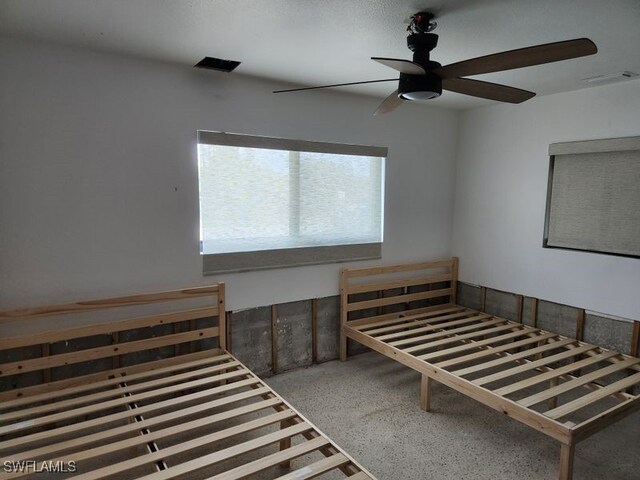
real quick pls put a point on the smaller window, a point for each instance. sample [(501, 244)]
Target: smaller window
[(270, 202), (593, 199)]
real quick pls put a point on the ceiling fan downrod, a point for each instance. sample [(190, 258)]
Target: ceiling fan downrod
[(420, 39)]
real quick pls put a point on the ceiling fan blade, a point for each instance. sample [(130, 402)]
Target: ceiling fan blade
[(389, 104), (522, 57), (403, 66), (491, 91), (335, 85)]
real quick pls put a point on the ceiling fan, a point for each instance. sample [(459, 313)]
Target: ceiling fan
[(424, 79)]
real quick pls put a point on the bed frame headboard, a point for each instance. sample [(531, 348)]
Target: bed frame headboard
[(379, 293), (37, 362)]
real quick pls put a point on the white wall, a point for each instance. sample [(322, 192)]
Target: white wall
[(501, 183), (98, 173)]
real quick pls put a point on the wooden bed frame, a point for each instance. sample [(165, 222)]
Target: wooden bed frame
[(562, 387), (173, 404)]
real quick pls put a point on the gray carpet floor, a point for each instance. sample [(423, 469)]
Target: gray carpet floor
[(369, 406)]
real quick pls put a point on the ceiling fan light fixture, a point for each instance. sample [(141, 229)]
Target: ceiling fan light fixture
[(422, 95)]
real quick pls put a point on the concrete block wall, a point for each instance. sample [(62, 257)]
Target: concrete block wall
[(328, 328), (294, 335), (618, 335), (273, 339), (308, 331), (281, 337), (25, 379), (285, 336), (251, 338), (501, 304), (570, 321)]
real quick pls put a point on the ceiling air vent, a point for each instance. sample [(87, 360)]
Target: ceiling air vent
[(212, 63), (611, 77)]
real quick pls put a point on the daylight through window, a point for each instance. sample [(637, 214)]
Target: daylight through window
[(261, 194)]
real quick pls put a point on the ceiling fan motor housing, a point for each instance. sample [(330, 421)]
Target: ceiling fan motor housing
[(421, 44), (424, 42), (419, 87)]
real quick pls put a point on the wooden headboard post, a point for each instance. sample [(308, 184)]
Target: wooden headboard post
[(454, 279), (344, 314), (222, 317)]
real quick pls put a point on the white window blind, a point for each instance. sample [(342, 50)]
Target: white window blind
[(594, 196), (260, 194)]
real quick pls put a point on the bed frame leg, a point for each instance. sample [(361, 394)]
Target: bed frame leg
[(285, 443), (425, 393), (344, 314), (567, 453), (553, 401), (343, 346)]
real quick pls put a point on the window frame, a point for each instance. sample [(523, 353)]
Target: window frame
[(214, 263)]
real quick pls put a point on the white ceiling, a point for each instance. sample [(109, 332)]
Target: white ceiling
[(315, 42)]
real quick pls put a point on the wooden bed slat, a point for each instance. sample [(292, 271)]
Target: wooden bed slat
[(466, 336), (359, 476), (553, 373), (593, 397), (532, 365), (84, 441), (405, 314), (577, 382), (244, 427), (230, 452), (130, 388), (96, 385), (412, 321), (489, 351), (72, 382), (173, 403), (419, 326), (608, 417), (442, 331), (57, 417), (474, 345), (318, 468), (399, 318), (272, 460), (203, 461), (511, 358)]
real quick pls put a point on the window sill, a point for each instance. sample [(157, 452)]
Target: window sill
[(288, 257)]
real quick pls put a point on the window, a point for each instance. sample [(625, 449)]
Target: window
[(269, 202), (593, 200)]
